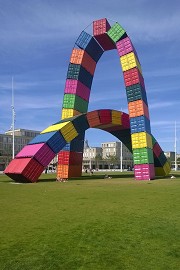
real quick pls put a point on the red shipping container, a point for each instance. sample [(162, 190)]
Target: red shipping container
[(70, 157), (157, 149), (77, 88), (144, 171), (100, 28), (125, 120), (24, 169), (105, 116), (133, 76), (41, 152)]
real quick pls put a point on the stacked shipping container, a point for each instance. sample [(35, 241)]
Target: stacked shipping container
[(137, 103), (76, 96), (30, 162), (69, 135), (33, 158)]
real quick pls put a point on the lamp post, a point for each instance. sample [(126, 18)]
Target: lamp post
[(90, 163), (121, 158), (13, 117), (175, 149)]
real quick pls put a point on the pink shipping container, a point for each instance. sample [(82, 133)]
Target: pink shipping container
[(144, 171), (125, 46), (24, 169), (41, 152), (77, 88), (100, 28), (157, 149)]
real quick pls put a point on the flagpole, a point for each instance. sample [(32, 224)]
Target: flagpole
[(13, 115), (175, 149)]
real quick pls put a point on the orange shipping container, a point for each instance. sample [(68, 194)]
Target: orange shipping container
[(65, 171), (81, 57), (93, 119), (138, 108)]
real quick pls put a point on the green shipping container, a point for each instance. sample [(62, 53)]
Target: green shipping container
[(75, 102), (143, 156), (116, 32)]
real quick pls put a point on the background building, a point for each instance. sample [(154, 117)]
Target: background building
[(111, 151), (21, 138), (108, 156), (171, 157), (92, 156)]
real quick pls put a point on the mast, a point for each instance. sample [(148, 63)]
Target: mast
[(175, 149), (13, 117)]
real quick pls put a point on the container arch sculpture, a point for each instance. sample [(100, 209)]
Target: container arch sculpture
[(66, 137)]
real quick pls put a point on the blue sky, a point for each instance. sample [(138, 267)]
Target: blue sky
[(36, 40)]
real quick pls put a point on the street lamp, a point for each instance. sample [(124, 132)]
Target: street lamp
[(121, 158), (90, 163), (13, 117), (175, 149)]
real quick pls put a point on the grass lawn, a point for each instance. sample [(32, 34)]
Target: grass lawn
[(90, 223)]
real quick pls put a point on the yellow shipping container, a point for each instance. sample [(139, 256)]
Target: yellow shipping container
[(69, 132), (163, 171), (55, 127), (67, 129), (67, 113), (159, 171), (116, 118), (129, 61), (166, 168), (141, 140)]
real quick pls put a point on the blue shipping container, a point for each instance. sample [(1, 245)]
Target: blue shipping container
[(140, 124), (54, 139), (90, 45)]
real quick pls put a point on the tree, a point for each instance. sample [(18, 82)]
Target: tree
[(98, 158), (111, 160)]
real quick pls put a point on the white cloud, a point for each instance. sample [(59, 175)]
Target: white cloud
[(164, 123), (163, 104), (26, 85)]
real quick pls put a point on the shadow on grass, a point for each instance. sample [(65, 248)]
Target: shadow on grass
[(88, 177), (101, 177), (6, 181), (52, 177)]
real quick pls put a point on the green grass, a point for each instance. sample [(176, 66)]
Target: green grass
[(90, 223)]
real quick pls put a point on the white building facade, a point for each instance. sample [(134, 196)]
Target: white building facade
[(21, 138), (108, 156)]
